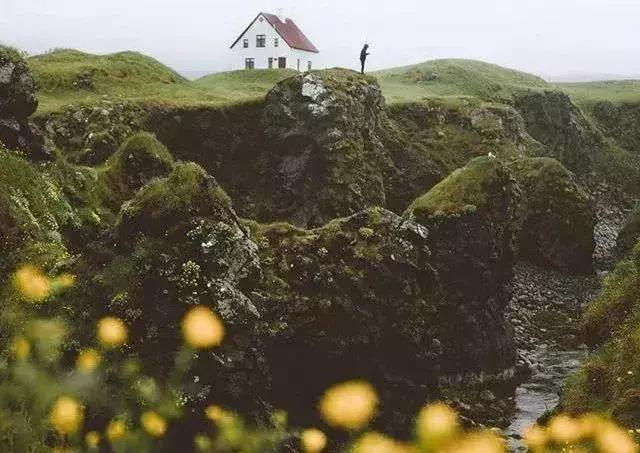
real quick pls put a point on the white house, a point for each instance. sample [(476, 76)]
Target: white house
[(273, 41)]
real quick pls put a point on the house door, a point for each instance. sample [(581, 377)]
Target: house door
[(270, 63), (282, 62)]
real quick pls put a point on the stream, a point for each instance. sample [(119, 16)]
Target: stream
[(540, 393)]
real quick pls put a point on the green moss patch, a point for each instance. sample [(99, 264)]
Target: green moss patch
[(140, 158), (466, 189)]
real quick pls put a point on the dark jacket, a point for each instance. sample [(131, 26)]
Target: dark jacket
[(364, 53)]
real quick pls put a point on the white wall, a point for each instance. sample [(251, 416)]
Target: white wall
[(262, 54)]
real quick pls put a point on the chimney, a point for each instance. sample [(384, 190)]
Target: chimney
[(281, 16)]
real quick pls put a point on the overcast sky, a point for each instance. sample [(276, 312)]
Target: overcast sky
[(547, 37)]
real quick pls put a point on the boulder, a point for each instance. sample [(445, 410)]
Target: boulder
[(557, 216), (553, 120), (17, 102), (327, 157), (472, 216), (17, 89), (366, 297)]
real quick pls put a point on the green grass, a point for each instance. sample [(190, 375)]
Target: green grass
[(466, 189), (619, 92), (455, 78), (135, 77)]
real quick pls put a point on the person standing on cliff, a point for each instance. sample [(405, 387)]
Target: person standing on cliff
[(363, 56)]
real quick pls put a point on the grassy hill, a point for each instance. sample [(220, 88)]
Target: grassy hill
[(70, 77), (616, 91), (455, 78)]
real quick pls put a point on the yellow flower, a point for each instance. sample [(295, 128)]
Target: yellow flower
[(564, 429), (480, 442), (349, 405), (214, 413), (92, 439), (66, 415), (611, 439), (313, 440), (535, 437), (88, 360), (153, 423), (377, 443), (202, 329), (21, 348), (115, 430), (436, 423), (112, 332), (32, 283)]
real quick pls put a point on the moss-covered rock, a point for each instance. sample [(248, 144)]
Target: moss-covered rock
[(140, 159), (17, 102), (328, 157), (165, 205), (478, 185), (17, 89), (363, 297), (556, 214)]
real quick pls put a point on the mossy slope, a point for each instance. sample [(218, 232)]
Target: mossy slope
[(610, 378)]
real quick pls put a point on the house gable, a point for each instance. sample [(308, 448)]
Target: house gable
[(288, 31)]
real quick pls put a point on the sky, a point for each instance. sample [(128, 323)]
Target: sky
[(553, 38)]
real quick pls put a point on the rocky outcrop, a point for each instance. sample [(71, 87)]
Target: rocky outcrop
[(553, 120), (17, 102), (556, 214), (472, 216), (328, 156)]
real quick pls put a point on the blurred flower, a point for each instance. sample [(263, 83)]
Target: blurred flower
[(202, 329), (115, 430), (349, 405), (153, 423), (377, 443), (313, 440), (436, 423), (32, 283), (112, 332), (92, 438), (535, 437), (21, 348), (564, 429), (480, 442), (214, 413), (66, 415), (611, 439), (88, 360)]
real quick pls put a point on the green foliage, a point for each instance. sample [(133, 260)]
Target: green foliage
[(464, 190), (610, 378), (455, 78), (140, 159), (40, 203)]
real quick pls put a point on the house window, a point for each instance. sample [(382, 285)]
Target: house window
[(276, 42), (261, 41), (309, 65), (270, 63), (245, 43), (282, 62), (249, 63)]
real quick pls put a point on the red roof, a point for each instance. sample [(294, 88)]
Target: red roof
[(288, 30)]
